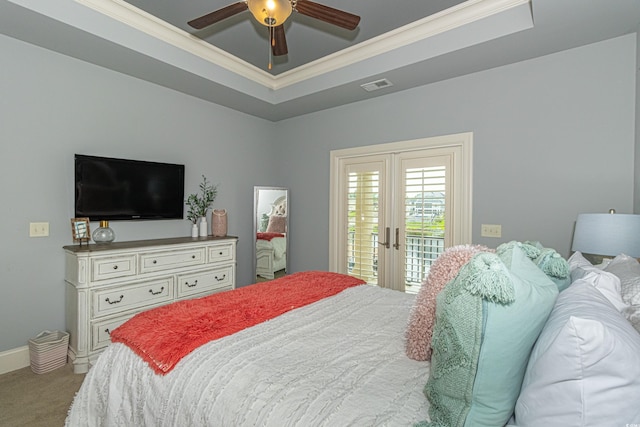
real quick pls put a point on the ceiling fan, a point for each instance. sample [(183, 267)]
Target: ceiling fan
[(273, 14)]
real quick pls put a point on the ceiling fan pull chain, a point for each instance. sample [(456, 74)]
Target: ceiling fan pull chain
[(271, 43)]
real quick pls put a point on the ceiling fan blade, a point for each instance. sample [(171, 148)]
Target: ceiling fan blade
[(279, 42), (328, 14), (218, 15)]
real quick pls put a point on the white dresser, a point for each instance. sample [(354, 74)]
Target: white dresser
[(108, 284)]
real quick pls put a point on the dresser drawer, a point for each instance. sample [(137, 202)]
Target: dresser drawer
[(220, 279), (113, 267), (221, 253), (168, 260), (101, 331), (115, 300)]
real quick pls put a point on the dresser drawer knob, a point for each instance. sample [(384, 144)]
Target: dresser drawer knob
[(108, 331), (156, 293), (189, 285), (193, 257), (115, 301), (220, 279), (155, 262), (220, 253), (115, 267)]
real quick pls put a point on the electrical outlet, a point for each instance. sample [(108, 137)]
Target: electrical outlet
[(491, 230), (38, 229)]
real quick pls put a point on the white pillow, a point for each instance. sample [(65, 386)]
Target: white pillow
[(605, 282), (627, 269), (585, 367), (578, 260)]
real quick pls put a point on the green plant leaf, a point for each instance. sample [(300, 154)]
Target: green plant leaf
[(198, 204)]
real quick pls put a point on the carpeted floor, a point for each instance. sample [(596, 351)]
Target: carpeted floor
[(34, 400), (277, 275)]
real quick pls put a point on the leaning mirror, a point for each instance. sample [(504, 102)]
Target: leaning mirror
[(271, 231)]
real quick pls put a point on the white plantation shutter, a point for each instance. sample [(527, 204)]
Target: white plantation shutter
[(363, 217), (363, 224)]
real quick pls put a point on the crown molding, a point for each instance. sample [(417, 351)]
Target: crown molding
[(137, 18), (454, 17), (448, 19)]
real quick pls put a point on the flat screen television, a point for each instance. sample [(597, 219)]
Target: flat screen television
[(120, 189)]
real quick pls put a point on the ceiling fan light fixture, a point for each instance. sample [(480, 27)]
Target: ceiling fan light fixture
[(270, 12)]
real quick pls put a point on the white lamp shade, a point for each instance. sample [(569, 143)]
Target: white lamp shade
[(607, 234), (270, 12)]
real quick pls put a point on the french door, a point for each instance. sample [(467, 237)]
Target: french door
[(395, 207)]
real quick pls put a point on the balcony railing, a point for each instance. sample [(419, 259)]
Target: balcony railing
[(420, 253)]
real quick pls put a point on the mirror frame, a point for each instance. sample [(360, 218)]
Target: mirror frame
[(256, 192)]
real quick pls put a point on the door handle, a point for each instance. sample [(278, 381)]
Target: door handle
[(396, 244), (386, 243)]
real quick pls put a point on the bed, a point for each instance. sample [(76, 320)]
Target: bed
[(271, 254), (338, 361), (517, 336), (271, 241)]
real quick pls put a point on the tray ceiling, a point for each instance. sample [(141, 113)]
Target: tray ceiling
[(409, 43)]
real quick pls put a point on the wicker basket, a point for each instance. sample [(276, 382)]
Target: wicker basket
[(48, 351)]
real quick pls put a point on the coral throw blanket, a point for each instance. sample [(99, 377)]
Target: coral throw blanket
[(164, 335), (268, 236)]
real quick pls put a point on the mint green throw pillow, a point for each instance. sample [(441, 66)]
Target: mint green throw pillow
[(455, 347), (552, 264), (510, 331), (487, 321), (457, 337)]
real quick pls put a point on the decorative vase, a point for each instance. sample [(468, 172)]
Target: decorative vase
[(203, 227), (104, 234), (219, 222), (194, 230)]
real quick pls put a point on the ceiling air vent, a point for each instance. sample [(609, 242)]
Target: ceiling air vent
[(378, 84)]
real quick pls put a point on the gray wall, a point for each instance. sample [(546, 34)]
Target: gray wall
[(52, 106), (553, 137), (636, 195)]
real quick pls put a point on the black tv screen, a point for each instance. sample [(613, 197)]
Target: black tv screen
[(120, 189)]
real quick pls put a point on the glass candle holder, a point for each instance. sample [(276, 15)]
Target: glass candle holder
[(103, 234)]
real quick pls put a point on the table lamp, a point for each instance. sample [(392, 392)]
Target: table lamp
[(607, 235)]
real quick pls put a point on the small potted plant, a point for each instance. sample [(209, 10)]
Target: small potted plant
[(198, 204)]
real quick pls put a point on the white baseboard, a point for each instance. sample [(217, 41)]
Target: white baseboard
[(16, 358)]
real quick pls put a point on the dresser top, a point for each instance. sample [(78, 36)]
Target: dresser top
[(92, 247)]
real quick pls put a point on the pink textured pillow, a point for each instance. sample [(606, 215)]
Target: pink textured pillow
[(423, 314), (277, 224)]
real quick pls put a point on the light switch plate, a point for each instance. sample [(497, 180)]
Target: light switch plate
[(491, 230), (38, 229)]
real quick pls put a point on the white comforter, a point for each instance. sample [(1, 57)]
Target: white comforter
[(337, 362), (278, 244)]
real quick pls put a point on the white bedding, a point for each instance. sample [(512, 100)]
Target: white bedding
[(337, 362), (278, 244), (271, 256)]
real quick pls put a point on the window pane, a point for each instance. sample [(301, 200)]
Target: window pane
[(424, 209)]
